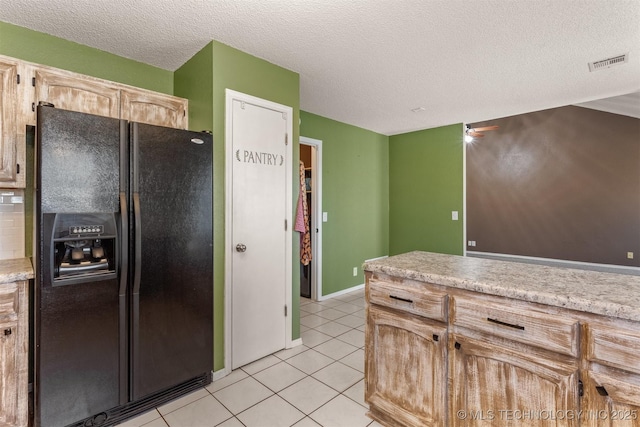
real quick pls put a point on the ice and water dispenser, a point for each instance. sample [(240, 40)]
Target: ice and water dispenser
[(84, 248)]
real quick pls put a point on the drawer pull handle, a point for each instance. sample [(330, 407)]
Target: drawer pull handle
[(602, 391), (7, 331), (401, 299), (510, 325), (436, 337)]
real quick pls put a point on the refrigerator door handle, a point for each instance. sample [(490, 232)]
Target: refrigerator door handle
[(137, 243), (137, 226), (124, 244), (122, 296)]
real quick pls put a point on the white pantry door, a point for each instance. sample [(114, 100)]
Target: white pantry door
[(260, 238)]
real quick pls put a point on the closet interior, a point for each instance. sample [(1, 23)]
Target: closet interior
[(305, 270)]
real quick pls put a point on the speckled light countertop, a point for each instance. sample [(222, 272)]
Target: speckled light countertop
[(608, 294), (14, 270)]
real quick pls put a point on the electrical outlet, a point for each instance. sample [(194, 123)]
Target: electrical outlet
[(630, 255), (355, 271), (471, 243)]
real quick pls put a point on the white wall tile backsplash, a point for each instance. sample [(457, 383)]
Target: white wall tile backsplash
[(11, 224)]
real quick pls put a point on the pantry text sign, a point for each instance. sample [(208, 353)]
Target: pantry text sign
[(259, 158)]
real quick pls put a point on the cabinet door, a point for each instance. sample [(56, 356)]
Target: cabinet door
[(494, 385), (406, 369), (8, 127), (153, 108), (611, 398), (9, 415), (70, 91), (14, 354)]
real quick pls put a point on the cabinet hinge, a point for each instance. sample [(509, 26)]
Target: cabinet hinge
[(286, 139), (18, 79), (33, 81), (285, 311), (580, 388)]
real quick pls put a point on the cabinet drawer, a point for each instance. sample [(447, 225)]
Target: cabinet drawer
[(614, 345), (518, 321), (9, 302), (423, 302)]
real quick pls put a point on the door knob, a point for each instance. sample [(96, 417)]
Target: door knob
[(240, 247)]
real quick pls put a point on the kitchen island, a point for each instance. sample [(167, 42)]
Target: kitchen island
[(14, 341), (459, 341)]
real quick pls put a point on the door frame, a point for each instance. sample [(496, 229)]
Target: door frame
[(316, 215), (231, 96)]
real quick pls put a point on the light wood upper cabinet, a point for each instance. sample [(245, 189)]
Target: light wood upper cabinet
[(14, 354), (70, 91), (406, 372), (76, 92), (8, 121), (153, 108), (23, 85)]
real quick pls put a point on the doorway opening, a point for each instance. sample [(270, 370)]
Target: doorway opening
[(311, 273)]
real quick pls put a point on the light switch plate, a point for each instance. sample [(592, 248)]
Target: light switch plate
[(454, 215), (324, 216)]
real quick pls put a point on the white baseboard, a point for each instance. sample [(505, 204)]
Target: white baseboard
[(221, 373), (375, 259), (295, 343), (342, 292)]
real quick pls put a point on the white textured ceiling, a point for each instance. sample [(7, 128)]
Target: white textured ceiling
[(370, 62)]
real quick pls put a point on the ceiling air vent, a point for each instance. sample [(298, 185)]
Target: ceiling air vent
[(609, 62)]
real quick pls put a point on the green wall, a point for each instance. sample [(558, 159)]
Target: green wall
[(355, 194), (40, 48), (205, 77), (425, 186), (194, 81)]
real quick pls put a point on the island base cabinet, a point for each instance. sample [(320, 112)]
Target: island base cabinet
[(495, 385), (406, 369), (611, 398)]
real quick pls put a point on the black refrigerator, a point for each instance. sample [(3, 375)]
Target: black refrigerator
[(123, 299)]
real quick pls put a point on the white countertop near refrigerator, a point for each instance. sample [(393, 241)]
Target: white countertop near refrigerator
[(608, 294), (15, 270)]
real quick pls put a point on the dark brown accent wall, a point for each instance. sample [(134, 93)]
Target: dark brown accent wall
[(562, 183)]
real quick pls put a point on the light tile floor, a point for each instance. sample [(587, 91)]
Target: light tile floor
[(320, 383)]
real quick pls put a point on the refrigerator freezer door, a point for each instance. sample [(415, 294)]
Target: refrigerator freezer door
[(77, 324), (172, 311)]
